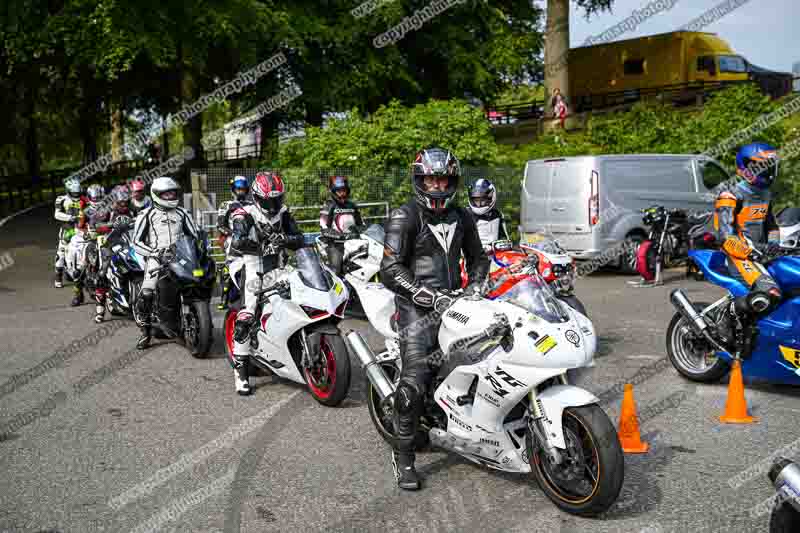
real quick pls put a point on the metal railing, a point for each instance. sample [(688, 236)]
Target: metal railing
[(676, 94), (208, 221)]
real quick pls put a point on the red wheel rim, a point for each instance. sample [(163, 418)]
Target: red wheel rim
[(230, 321), (313, 376)]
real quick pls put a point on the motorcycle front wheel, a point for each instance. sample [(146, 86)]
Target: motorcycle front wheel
[(590, 477), (329, 379), (198, 330)]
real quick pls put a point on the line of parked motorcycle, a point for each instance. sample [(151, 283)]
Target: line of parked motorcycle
[(501, 396)]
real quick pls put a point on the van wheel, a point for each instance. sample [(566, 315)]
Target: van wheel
[(627, 260)]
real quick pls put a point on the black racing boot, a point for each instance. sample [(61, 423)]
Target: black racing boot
[(78, 298), (404, 471), (241, 375), (59, 279), (144, 340)]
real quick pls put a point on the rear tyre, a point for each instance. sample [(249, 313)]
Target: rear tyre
[(330, 380), (383, 416), (690, 354), (784, 519), (627, 263), (199, 330), (589, 479)]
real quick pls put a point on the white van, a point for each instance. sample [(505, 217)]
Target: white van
[(592, 204)]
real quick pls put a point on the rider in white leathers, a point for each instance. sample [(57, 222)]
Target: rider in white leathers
[(488, 219), (260, 231), (157, 228), (66, 211), (84, 234)]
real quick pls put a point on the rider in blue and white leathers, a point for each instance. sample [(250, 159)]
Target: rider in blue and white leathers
[(157, 228)]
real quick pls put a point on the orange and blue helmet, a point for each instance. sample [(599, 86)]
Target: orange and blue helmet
[(757, 163)]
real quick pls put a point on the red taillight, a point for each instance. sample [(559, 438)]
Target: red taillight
[(594, 199), (708, 238), (312, 312), (340, 310)]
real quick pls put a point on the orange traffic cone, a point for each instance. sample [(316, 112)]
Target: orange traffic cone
[(629, 435), (736, 406)]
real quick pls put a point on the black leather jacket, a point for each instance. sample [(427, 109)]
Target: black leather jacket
[(251, 230), (421, 249)]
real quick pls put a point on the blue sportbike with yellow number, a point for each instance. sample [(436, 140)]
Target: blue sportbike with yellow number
[(703, 339)]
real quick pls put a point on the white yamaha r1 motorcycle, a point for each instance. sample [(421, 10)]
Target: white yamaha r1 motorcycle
[(295, 334), (501, 396)]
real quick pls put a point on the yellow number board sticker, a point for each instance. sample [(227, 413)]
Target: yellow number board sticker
[(338, 288), (545, 344), (792, 355), (198, 273)]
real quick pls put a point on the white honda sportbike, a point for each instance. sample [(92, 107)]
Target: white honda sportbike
[(501, 396), (295, 333)]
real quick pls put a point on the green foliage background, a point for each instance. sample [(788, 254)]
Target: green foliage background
[(376, 151)]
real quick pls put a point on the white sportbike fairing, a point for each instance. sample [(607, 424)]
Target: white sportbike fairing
[(296, 335), (502, 388)]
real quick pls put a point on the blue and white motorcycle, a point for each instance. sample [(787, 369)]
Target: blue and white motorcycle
[(703, 339), (125, 272)]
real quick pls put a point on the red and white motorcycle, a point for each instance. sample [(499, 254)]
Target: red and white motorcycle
[(295, 334)]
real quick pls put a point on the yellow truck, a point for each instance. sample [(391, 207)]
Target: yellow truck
[(621, 71)]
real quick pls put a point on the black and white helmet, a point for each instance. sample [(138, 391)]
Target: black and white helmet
[(482, 196), (435, 162), (165, 191), (73, 188)]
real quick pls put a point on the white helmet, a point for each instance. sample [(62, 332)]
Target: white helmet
[(74, 189), (95, 192), (482, 196), (164, 192)]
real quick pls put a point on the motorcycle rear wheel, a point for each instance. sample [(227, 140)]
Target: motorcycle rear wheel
[(592, 447), (683, 354), (199, 334), (382, 418)]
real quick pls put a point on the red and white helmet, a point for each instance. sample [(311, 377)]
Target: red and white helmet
[(268, 190)]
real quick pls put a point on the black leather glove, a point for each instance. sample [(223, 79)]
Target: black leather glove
[(331, 234), (428, 298), (277, 239)]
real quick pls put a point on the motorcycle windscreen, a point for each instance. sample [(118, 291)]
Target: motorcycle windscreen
[(376, 233), (542, 240), (185, 258), (532, 294), (309, 267)]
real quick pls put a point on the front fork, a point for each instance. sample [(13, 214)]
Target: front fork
[(537, 424)]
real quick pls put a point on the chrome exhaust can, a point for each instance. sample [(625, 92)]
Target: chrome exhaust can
[(374, 372), (685, 307), (785, 475)]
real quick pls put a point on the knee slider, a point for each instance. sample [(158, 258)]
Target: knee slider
[(241, 329), (406, 398)]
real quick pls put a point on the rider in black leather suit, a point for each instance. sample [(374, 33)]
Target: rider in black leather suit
[(422, 249)]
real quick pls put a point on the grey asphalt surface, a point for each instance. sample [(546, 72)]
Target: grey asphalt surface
[(112, 439)]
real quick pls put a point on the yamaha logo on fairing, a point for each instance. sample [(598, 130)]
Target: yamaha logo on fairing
[(459, 423), (573, 337), (492, 442), (455, 315)]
